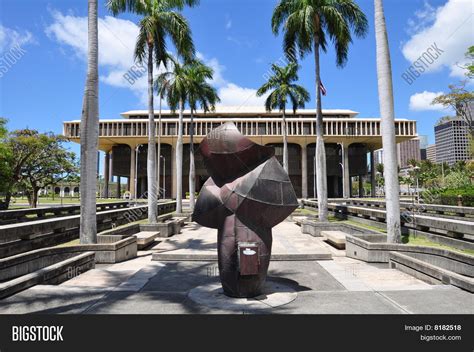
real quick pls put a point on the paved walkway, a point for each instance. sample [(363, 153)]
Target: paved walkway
[(337, 286)]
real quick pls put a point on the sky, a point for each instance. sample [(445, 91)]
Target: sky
[(43, 49)]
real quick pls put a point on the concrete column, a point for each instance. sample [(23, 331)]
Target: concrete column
[(119, 190), (111, 171), (173, 172), (372, 174), (133, 180), (346, 182), (106, 174), (361, 186), (304, 171)]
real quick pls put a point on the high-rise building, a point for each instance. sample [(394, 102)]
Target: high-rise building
[(423, 146), (452, 141), (408, 150), (431, 153)]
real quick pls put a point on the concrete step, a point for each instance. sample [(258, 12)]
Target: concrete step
[(145, 238), (336, 238)]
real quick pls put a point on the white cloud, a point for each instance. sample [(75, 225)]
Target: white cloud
[(450, 27), (117, 39), (234, 95), (116, 46), (228, 24), (11, 37), (422, 101)]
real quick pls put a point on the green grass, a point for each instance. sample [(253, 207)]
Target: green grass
[(423, 241), (69, 244)]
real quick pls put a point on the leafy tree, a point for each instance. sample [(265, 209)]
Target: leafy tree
[(5, 164), (40, 160)]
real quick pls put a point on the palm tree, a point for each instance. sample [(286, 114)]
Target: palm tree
[(159, 23), (385, 89), (283, 88), (187, 83), (176, 81), (90, 133), (307, 26), (199, 92)]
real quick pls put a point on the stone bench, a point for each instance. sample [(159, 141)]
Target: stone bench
[(166, 228), (336, 238), (145, 238)]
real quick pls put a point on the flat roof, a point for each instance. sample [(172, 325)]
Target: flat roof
[(245, 110)]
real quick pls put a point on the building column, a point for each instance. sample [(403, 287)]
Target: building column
[(372, 174), (106, 174), (304, 171), (173, 172), (133, 180), (346, 182), (119, 186), (361, 186)]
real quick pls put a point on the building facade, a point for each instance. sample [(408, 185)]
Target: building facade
[(348, 140), (452, 141), (408, 150), (431, 153)]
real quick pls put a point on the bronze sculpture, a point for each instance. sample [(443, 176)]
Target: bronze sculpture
[(247, 194)]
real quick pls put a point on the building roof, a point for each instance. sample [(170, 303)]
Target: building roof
[(245, 110)]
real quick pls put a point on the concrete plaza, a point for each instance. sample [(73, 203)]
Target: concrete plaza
[(185, 261)]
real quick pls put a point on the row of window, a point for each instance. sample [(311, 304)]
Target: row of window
[(249, 128)]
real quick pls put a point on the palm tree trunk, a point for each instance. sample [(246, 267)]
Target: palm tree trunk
[(158, 153), (285, 143), (89, 130), (385, 89), (192, 170), (151, 154), (321, 179), (179, 161)]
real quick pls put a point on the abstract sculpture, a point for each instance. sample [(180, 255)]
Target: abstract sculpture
[(247, 194)]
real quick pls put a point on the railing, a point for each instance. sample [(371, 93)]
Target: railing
[(249, 127), (450, 227), (21, 215)]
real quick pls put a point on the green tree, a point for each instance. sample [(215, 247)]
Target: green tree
[(308, 26), (282, 87), (6, 172), (160, 22), (40, 160)]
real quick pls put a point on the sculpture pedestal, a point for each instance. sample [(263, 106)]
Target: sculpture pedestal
[(274, 294), (236, 279)]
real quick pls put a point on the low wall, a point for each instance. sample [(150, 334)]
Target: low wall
[(314, 228), (19, 238), (53, 274), (434, 269)]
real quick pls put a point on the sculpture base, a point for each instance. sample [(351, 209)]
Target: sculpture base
[(212, 295), (240, 279)]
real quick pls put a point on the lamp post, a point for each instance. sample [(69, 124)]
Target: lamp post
[(164, 176), (417, 189)]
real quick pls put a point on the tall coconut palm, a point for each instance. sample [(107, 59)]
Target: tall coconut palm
[(160, 21), (387, 114), (187, 84), (283, 88), (199, 93), (176, 81), (308, 25), (90, 132)]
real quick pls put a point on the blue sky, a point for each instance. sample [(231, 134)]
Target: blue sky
[(44, 86)]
